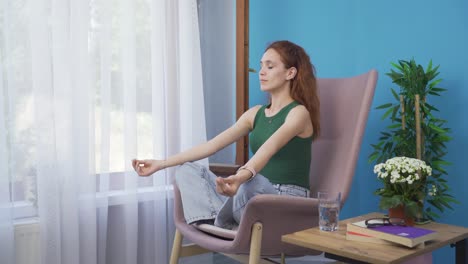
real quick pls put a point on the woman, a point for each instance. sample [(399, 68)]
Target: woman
[(281, 134)]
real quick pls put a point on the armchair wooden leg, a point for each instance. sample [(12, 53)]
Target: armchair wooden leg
[(255, 243), (176, 247), (283, 259)]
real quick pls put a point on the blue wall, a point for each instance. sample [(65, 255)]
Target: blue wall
[(346, 38)]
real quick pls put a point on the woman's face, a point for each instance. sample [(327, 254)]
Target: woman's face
[(273, 73)]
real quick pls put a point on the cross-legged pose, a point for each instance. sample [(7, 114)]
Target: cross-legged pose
[(280, 136)]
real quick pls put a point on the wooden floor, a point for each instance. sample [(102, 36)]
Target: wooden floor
[(215, 258)]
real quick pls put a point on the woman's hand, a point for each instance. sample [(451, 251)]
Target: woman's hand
[(228, 186), (147, 167)]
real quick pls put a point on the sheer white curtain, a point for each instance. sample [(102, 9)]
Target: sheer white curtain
[(87, 86), (6, 195)]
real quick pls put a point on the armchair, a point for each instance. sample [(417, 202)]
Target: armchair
[(344, 106)]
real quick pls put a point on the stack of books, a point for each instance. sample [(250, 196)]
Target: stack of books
[(404, 235)]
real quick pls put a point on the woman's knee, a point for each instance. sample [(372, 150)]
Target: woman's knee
[(258, 185), (246, 189), (190, 170), (184, 170)]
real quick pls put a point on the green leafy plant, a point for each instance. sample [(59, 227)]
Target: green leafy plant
[(416, 86)]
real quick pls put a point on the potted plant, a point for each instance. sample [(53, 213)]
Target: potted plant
[(416, 132), (405, 185)]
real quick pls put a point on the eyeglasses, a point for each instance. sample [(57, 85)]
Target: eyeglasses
[(385, 221)]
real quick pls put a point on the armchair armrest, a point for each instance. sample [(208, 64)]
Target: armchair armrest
[(222, 169), (267, 207), (279, 215)]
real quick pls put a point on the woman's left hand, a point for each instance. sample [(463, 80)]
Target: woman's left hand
[(228, 186)]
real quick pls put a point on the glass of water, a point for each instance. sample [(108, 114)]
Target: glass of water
[(329, 210)]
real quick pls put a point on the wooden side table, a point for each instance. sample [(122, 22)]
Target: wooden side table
[(335, 245)]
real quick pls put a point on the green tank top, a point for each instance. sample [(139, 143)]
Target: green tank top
[(291, 164)]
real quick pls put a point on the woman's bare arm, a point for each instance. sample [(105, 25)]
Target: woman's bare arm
[(227, 137)]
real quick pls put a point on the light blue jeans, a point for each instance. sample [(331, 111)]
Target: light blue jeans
[(202, 203)]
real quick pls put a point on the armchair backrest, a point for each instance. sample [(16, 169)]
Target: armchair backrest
[(344, 107)]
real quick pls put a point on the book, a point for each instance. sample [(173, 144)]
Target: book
[(355, 236), (409, 236)]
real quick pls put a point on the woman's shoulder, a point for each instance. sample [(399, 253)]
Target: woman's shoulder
[(249, 115), (252, 112), (299, 109), (256, 107), (253, 109), (299, 116), (299, 113)]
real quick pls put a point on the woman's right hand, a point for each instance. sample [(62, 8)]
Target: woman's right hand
[(147, 167)]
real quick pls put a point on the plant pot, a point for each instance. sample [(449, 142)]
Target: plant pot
[(399, 212)]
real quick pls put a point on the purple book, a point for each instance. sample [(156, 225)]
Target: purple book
[(405, 235), (404, 231)]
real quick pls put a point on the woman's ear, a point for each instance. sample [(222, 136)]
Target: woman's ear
[(291, 73)]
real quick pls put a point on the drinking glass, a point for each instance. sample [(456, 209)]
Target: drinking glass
[(329, 210)]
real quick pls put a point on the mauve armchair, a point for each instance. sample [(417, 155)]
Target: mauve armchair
[(344, 105)]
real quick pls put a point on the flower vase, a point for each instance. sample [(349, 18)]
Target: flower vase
[(399, 212)]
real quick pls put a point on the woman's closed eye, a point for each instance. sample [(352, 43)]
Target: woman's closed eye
[(268, 66)]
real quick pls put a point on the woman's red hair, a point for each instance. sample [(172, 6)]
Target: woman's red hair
[(304, 84)]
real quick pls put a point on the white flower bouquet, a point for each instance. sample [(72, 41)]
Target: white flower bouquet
[(405, 184)]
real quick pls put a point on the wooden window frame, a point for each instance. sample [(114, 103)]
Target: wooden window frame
[(242, 73)]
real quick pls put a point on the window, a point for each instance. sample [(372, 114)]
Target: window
[(110, 50)]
